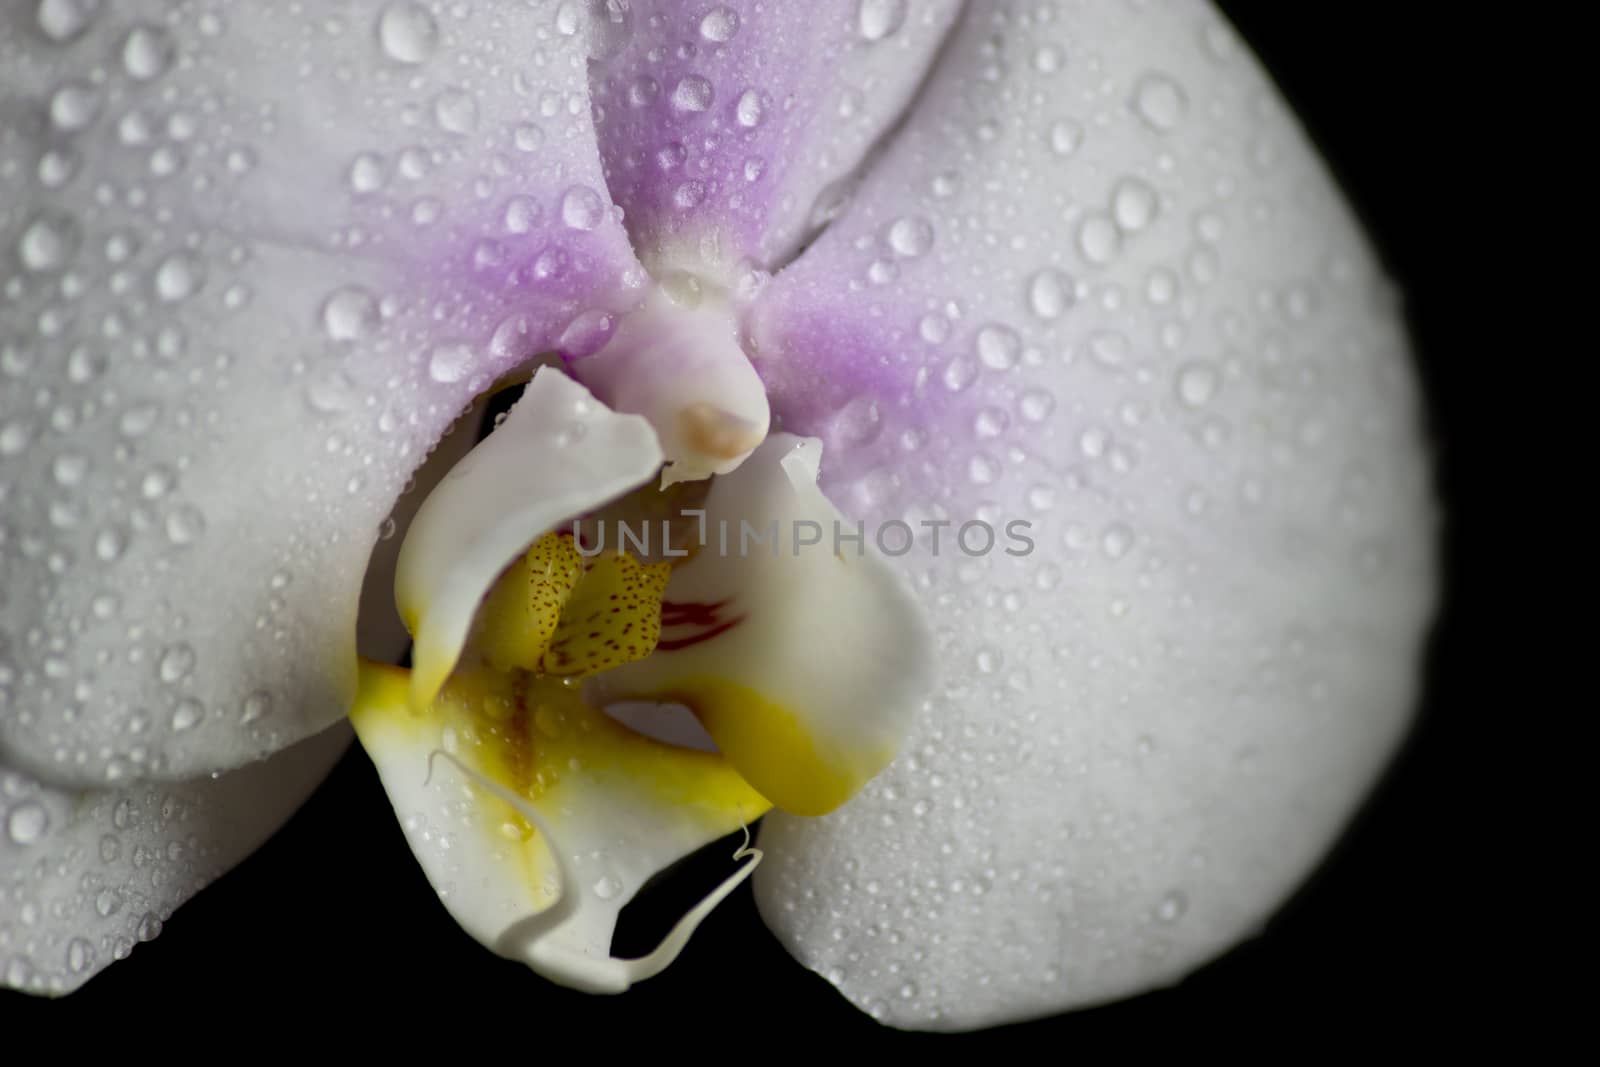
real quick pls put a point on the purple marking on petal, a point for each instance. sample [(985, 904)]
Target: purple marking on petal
[(722, 125)]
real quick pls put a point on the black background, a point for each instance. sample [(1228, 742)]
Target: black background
[(332, 925)]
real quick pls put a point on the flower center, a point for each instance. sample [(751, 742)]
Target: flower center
[(677, 361)]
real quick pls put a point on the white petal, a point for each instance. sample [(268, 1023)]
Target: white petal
[(255, 261), (537, 824), (798, 648), (558, 454), (1125, 304), (85, 876)]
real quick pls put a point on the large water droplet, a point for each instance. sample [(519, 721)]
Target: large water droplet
[(1050, 293), (187, 715), (62, 20), (407, 32), (350, 314), (147, 53), (910, 236), (719, 25), (178, 277), (27, 822), (1133, 204), (175, 664), (998, 347), (586, 334), (1099, 240), (1160, 102), (74, 106), (450, 363), (749, 110), (877, 19), (581, 208), (1197, 384), (47, 244), (456, 111), (692, 93)]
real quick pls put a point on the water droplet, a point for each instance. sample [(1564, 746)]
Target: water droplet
[(528, 137), (178, 277), (349, 314), (911, 236), (586, 334), (522, 213), (185, 525), (998, 347), (1036, 405), (456, 111), (15, 436), (1172, 907), (959, 373), (62, 20), (27, 822), (74, 106), (581, 208), (719, 25), (607, 887), (1133, 204), (175, 664), (187, 714), (749, 109), (450, 363), (877, 19), (1116, 540), (47, 244), (146, 53), (367, 174), (256, 706), (692, 93), (1065, 137), (109, 544), (407, 32), (69, 469), (80, 955), (1099, 240), (1197, 384), (1050, 293), (1160, 102)]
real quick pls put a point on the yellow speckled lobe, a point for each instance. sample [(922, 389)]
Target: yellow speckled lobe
[(613, 617), (519, 616)]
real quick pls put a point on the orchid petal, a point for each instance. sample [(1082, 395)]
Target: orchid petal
[(255, 262), (730, 129), (544, 817), (1101, 283), (558, 454), (85, 876), (800, 651)]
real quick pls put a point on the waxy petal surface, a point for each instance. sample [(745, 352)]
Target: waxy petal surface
[(558, 454), (255, 260), (1100, 282), (84, 877), (729, 130), (794, 643), (598, 810)]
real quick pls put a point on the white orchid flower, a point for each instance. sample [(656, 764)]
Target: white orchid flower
[(916, 266)]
